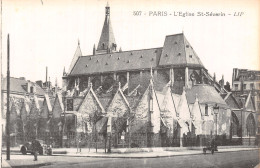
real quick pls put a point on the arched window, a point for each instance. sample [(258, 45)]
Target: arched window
[(250, 125), (96, 82), (108, 83), (122, 80), (206, 110), (234, 124)]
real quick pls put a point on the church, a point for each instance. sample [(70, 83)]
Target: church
[(150, 97), (155, 97)]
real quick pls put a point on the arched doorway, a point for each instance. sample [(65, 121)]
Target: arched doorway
[(235, 126), (250, 125), (177, 135)]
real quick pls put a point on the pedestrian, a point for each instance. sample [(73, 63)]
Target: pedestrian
[(35, 148), (213, 145)]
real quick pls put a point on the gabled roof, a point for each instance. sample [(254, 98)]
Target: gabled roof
[(177, 51), (18, 86), (118, 61), (90, 91), (206, 95), (59, 99), (249, 104), (120, 93), (232, 101), (76, 56), (196, 111), (183, 107)]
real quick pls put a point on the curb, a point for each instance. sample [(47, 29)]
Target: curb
[(141, 157), (65, 153)]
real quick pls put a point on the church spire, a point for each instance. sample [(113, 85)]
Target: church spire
[(107, 39), (77, 54)]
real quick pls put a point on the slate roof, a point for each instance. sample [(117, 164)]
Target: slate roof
[(206, 95), (177, 51), (18, 85), (231, 101), (118, 61), (77, 54)]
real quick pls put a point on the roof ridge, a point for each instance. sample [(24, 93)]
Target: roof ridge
[(174, 34), (120, 52)]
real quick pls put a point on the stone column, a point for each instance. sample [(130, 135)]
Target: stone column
[(141, 75), (114, 76), (172, 76), (187, 77), (127, 77), (127, 81), (155, 74), (101, 79), (89, 80)]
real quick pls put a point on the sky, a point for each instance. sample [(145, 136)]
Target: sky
[(46, 32)]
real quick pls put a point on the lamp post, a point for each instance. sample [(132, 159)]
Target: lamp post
[(216, 111), (109, 134)]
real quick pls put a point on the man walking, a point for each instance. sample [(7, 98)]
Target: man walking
[(35, 148)]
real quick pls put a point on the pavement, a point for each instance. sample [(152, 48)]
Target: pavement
[(144, 152), (135, 152)]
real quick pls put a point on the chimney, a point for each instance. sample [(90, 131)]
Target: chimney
[(94, 50)]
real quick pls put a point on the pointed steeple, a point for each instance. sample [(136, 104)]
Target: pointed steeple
[(107, 39), (77, 54), (64, 71)]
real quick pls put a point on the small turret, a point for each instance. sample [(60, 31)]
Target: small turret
[(94, 49)]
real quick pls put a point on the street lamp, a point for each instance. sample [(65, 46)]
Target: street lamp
[(109, 134), (216, 111)]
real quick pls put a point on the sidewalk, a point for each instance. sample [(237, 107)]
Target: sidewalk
[(143, 152), (5, 164), (140, 152)]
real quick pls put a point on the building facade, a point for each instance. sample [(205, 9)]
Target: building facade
[(155, 97)]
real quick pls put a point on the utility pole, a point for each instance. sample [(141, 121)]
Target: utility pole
[(8, 102), (1, 98)]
